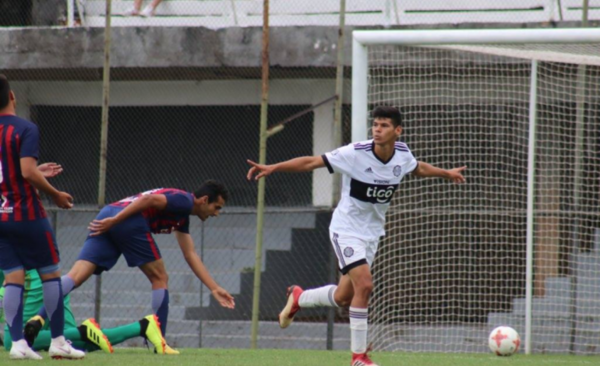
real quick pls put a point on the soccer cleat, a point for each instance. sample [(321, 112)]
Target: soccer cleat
[(170, 351), (154, 335), (32, 329), (286, 317), (362, 359), (60, 349), (20, 351), (94, 335)]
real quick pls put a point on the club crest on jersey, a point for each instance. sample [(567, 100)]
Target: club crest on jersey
[(397, 170), (348, 252)]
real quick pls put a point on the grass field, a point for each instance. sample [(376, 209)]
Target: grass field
[(237, 357)]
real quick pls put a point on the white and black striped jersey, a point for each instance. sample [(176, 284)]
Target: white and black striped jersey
[(368, 185)]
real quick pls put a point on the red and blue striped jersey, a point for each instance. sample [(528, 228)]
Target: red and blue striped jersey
[(19, 200), (176, 216)]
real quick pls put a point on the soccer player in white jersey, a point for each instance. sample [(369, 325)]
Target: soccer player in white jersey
[(371, 171)]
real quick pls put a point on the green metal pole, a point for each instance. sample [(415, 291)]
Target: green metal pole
[(103, 139), (337, 140), (262, 159), (339, 91), (584, 17), (105, 102)]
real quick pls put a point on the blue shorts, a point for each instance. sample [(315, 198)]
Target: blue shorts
[(28, 245), (132, 238)]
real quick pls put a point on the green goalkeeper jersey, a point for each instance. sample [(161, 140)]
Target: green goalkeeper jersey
[(33, 298)]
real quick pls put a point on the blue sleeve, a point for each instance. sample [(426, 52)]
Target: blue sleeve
[(30, 142), (179, 203), (185, 228)]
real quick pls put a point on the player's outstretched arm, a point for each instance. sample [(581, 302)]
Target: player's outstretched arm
[(157, 201), (186, 244), (296, 165), (427, 170)]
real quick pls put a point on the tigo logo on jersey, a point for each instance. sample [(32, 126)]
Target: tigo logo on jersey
[(372, 193), (382, 195)]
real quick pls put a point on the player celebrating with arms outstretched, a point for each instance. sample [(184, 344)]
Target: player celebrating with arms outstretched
[(371, 172)]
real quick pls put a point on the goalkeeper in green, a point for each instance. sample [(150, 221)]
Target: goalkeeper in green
[(88, 336)]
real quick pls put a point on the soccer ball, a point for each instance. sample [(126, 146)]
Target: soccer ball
[(504, 341)]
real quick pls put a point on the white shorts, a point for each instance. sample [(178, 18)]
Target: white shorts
[(352, 251)]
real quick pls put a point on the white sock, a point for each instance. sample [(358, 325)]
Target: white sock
[(358, 329), (20, 344), (59, 341), (321, 296)]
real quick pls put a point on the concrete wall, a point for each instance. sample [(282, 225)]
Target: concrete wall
[(167, 47)]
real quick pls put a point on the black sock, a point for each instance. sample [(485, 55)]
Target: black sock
[(83, 332), (143, 327)]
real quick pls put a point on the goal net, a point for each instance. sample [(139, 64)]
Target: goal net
[(453, 264)]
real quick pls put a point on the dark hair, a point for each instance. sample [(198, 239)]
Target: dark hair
[(213, 190), (388, 112), (4, 91)]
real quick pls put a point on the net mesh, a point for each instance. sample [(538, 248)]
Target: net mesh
[(452, 266)]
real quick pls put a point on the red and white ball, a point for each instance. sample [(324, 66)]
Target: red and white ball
[(504, 341)]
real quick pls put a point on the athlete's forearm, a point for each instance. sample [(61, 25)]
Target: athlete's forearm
[(200, 270), (301, 164), (427, 170), (36, 178), (141, 204), (193, 260)]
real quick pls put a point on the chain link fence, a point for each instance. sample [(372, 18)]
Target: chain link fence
[(248, 13), (169, 129)]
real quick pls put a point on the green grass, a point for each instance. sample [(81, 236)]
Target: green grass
[(237, 357)]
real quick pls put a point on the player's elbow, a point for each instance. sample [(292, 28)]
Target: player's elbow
[(27, 173)]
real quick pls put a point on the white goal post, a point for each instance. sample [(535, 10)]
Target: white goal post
[(527, 98)]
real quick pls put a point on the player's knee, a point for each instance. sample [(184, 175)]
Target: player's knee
[(159, 278), (364, 287)]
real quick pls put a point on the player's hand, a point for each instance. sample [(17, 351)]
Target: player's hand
[(50, 170), (455, 175), (98, 227), (224, 298), (63, 200), (263, 170)]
